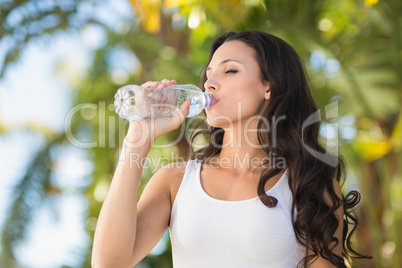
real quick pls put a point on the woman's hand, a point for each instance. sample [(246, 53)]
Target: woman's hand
[(147, 130)]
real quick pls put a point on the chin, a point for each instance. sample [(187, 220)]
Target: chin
[(219, 121)]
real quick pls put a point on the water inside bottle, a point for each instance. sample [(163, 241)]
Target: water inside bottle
[(133, 102)]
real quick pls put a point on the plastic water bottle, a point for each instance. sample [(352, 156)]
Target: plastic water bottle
[(135, 102)]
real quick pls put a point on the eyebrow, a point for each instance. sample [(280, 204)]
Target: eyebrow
[(223, 62)]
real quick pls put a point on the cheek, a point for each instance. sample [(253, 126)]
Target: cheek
[(244, 100)]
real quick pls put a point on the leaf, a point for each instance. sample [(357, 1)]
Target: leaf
[(177, 3), (371, 149), (148, 13), (370, 3)]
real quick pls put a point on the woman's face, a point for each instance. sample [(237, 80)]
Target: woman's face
[(233, 78)]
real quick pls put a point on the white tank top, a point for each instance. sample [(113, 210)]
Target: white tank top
[(207, 232)]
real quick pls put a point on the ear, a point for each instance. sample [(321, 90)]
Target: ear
[(267, 94)]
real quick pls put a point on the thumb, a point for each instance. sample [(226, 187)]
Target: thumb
[(182, 113)]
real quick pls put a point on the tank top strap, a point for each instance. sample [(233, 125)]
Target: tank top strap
[(189, 181)]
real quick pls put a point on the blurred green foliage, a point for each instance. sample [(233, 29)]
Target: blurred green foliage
[(353, 54)]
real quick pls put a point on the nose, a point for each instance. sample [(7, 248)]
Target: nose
[(210, 85)]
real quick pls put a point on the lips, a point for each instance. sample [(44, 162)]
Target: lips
[(214, 101)]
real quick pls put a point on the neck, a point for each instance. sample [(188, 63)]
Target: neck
[(241, 152)]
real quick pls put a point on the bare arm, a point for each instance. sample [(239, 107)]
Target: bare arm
[(154, 208), (125, 232), (116, 227)]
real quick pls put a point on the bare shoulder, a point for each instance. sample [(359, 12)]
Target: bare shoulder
[(172, 174), (174, 167), (172, 171)]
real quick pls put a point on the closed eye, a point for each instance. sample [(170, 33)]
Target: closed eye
[(231, 71)]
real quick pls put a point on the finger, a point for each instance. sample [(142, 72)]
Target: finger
[(161, 85), (150, 84), (182, 113), (185, 108), (166, 81), (169, 82)]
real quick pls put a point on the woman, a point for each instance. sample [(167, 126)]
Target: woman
[(255, 196)]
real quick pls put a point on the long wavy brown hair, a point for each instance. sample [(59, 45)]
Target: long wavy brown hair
[(310, 178)]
